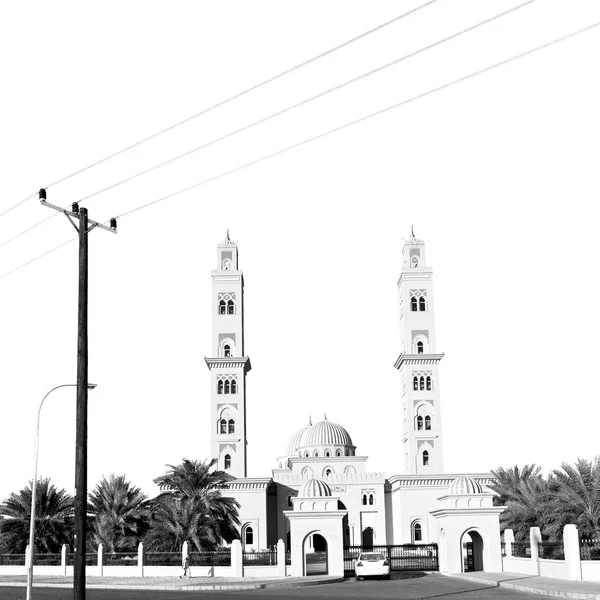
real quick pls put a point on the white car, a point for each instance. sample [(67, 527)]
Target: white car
[(371, 564)]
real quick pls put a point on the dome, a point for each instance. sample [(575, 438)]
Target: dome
[(325, 433), (291, 448), (314, 488), (465, 486)]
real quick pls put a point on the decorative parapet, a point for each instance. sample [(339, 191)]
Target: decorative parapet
[(229, 362), (332, 480), (435, 481), (418, 359), (248, 484)]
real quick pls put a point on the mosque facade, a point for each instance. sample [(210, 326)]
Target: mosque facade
[(321, 484)]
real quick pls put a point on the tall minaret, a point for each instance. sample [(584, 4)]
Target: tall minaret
[(229, 366), (418, 363)]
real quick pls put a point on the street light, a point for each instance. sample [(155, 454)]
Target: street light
[(90, 386)]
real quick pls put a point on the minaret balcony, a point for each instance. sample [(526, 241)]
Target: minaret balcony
[(418, 359)]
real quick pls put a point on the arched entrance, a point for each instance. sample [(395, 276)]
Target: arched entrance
[(315, 555), (472, 551), (345, 524)]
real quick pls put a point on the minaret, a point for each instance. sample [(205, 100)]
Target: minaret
[(418, 364), (228, 365)]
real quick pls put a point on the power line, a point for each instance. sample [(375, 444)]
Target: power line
[(227, 100), (279, 113), (334, 130)]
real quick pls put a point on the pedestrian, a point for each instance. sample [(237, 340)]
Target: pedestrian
[(185, 565)]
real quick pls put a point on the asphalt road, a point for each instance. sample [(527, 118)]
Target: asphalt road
[(400, 587)]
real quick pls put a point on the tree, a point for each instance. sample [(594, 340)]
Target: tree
[(578, 494), (120, 514), (528, 498), (53, 519), (192, 508)]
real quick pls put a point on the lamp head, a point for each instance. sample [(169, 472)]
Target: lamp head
[(91, 386)]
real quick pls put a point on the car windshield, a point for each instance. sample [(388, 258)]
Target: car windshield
[(372, 556)]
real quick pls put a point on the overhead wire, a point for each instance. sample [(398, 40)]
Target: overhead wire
[(229, 99), (334, 130), (278, 113)]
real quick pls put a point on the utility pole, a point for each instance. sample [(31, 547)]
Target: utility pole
[(85, 226)]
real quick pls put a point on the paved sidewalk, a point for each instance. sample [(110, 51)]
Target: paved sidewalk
[(171, 583), (547, 586)]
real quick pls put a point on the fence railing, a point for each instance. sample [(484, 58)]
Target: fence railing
[(551, 550), (12, 559), (404, 557), (260, 559), (219, 558), (162, 559), (521, 549), (589, 549), (91, 560)]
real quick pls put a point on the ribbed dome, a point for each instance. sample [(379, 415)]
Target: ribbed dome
[(314, 488), (465, 486), (291, 448), (325, 433)]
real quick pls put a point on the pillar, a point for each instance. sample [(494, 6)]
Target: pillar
[(280, 558), (63, 559), (237, 566), (572, 552), (535, 537), (100, 560), (140, 561)]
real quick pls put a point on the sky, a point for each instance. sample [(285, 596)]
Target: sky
[(498, 174)]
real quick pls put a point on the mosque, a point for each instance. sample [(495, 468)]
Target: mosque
[(322, 492)]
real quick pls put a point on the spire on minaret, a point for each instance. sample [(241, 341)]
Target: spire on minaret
[(412, 232), (228, 235), (310, 421), (325, 416)]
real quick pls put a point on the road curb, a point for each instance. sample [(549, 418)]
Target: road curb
[(259, 585)]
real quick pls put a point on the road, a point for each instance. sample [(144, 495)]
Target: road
[(403, 586)]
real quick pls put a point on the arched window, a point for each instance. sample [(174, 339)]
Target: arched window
[(222, 307), (327, 453), (231, 426), (233, 386), (306, 453), (422, 305), (427, 422), (428, 382), (422, 383), (223, 426), (417, 532), (364, 499), (338, 452), (316, 453), (425, 458), (371, 499), (220, 387), (415, 383), (419, 422), (413, 304), (419, 347), (248, 536), (327, 472), (226, 350), (231, 307), (227, 461), (226, 386)]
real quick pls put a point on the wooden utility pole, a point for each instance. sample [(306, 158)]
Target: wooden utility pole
[(85, 226)]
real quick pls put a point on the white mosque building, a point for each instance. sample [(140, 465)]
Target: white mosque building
[(322, 488)]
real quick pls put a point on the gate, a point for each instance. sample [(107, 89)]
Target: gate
[(403, 557)]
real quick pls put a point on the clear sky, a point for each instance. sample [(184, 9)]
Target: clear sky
[(498, 174)]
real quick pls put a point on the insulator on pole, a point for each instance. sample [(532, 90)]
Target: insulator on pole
[(42, 194), (113, 223), (75, 208)]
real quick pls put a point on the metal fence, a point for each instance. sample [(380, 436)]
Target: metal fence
[(218, 558), (50, 560), (263, 558), (119, 559), (552, 550), (12, 559), (404, 557), (589, 549), (91, 559), (166, 559), (521, 549)]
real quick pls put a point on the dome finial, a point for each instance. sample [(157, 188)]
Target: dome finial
[(228, 235), (412, 232), (324, 416), (309, 421)]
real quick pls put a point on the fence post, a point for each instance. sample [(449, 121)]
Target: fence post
[(185, 552), (280, 558), (572, 552), (535, 537), (509, 538), (27, 557), (100, 560), (63, 559), (237, 565), (140, 561)]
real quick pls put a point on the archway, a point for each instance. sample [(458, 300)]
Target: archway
[(472, 551), (315, 555), (345, 524)]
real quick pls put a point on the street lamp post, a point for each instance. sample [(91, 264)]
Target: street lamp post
[(90, 386)]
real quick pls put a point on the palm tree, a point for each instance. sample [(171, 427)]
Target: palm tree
[(528, 498), (53, 518), (192, 508), (119, 514), (578, 493)]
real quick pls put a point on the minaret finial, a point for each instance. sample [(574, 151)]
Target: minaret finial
[(412, 231), (228, 235), (325, 416), (310, 421)]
